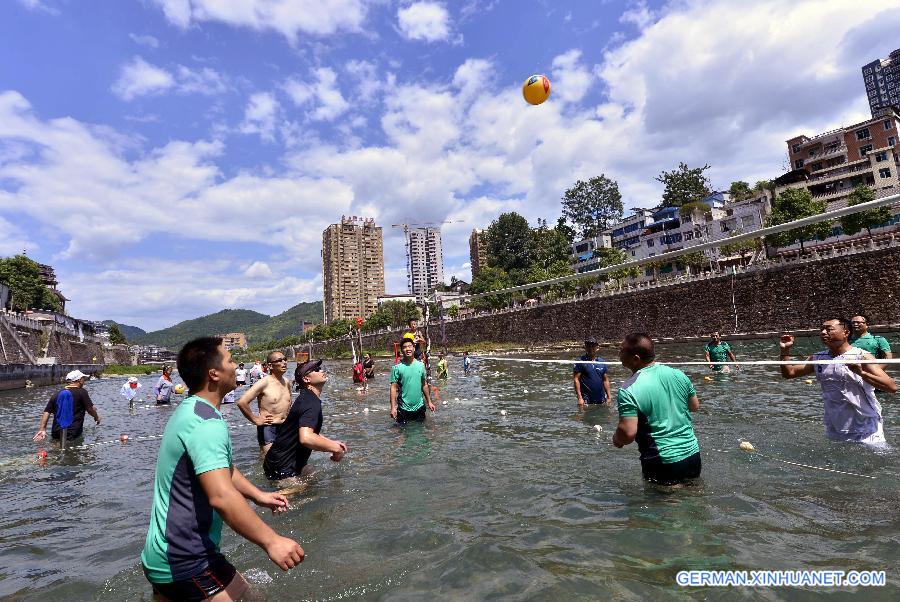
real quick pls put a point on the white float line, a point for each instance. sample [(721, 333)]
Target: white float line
[(852, 474), (697, 363)]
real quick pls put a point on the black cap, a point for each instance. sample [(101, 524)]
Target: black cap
[(307, 367), (591, 341)]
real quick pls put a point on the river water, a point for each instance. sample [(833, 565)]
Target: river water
[(473, 505)]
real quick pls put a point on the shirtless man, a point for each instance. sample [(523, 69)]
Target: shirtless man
[(273, 396)]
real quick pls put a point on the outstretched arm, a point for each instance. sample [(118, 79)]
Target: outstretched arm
[(874, 374), (792, 370)]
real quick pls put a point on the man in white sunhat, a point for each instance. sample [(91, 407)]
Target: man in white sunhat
[(68, 406)]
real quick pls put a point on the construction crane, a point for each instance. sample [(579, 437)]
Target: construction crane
[(406, 226)]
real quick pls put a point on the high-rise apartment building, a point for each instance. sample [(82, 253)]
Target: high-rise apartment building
[(477, 252), (352, 268), (426, 260), (882, 79)]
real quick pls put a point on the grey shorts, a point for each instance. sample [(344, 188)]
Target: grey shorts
[(266, 434)]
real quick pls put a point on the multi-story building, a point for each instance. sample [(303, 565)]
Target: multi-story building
[(352, 268), (477, 251), (426, 260), (48, 279), (882, 79), (234, 340)]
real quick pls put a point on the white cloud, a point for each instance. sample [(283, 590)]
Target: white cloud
[(369, 79), (329, 102), (13, 240), (260, 116), (571, 79), (428, 21), (39, 5), (258, 269), (140, 78), (290, 18), (144, 40), (638, 15), (473, 77)]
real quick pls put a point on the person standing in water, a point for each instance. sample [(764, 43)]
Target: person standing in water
[(197, 487), (273, 397), (369, 367), (718, 350), (410, 393), (80, 404), (164, 387), (130, 389), (655, 407), (851, 411), (241, 374), (413, 334), (861, 338), (591, 380), (467, 363), (442, 367)]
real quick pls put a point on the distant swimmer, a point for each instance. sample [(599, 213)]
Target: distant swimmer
[(591, 380), (409, 387), (851, 411), (164, 387), (861, 338), (718, 350), (273, 397), (241, 374), (467, 363), (655, 407), (130, 389), (74, 401), (299, 435), (442, 367), (197, 487)]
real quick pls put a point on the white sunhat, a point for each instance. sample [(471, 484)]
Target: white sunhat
[(132, 379), (75, 375)]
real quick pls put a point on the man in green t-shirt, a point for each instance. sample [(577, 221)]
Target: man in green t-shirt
[(409, 387), (197, 488), (861, 338), (718, 350), (655, 407)]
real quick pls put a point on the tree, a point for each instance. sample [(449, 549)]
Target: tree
[(565, 229), (689, 208), (868, 219), (684, 185), (694, 259), (490, 279), (611, 257), (23, 276), (549, 246), (593, 206), (509, 243), (741, 248), (740, 191), (794, 204), (391, 314), (115, 335)]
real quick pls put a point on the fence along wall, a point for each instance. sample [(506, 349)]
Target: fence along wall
[(777, 299)]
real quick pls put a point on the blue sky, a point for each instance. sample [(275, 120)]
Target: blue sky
[(175, 157)]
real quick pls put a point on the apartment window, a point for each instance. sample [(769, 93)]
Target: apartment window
[(799, 163), (862, 134), (650, 243), (888, 124), (882, 156), (746, 221), (892, 141), (816, 166), (865, 150), (796, 148), (688, 235), (885, 172), (812, 152)]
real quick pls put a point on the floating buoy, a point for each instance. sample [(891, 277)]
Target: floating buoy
[(707, 378), (456, 399), (808, 381), (365, 410), (524, 390), (179, 389), (42, 454), (598, 428), (747, 446), (443, 403), (123, 437), (503, 412)]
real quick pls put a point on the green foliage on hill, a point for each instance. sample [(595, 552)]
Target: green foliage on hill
[(285, 324), (129, 332)]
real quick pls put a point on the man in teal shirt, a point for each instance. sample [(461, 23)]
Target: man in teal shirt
[(409, 386), (655, 407), (861, 338), (718, 350), (197, 488)]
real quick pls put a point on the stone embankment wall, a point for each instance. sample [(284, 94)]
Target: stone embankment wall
[(783, 298), (14, 376)]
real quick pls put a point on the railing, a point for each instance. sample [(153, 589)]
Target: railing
[(22, 321)]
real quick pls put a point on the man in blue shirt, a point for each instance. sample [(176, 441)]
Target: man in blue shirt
[(591, 380)]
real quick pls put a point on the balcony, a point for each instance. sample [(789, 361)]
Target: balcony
[(840, 172)]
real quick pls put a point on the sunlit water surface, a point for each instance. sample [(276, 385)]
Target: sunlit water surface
[(532, 505)]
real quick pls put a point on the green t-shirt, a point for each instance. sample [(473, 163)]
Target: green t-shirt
[(185, 530), (717, 353), (877, 346), (658, 397), (410, 378)]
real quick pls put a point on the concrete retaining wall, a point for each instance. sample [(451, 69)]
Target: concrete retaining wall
[(13, 376)]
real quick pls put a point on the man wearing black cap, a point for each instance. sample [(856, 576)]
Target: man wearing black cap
[(298, 436), (591, 380)]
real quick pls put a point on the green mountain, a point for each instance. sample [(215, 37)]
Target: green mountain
[(286, 323), (258, 327), (130, 332)]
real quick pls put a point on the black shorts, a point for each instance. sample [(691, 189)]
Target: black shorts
[(404, 416), (591, 402), (656, 471), (205, 585), (241, 383), (266, 434)]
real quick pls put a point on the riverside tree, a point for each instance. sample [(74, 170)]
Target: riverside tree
[(868, 219), (23, 276), (794, 204), (593, 206), (684, 185), (115, 335), (509, 243)]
